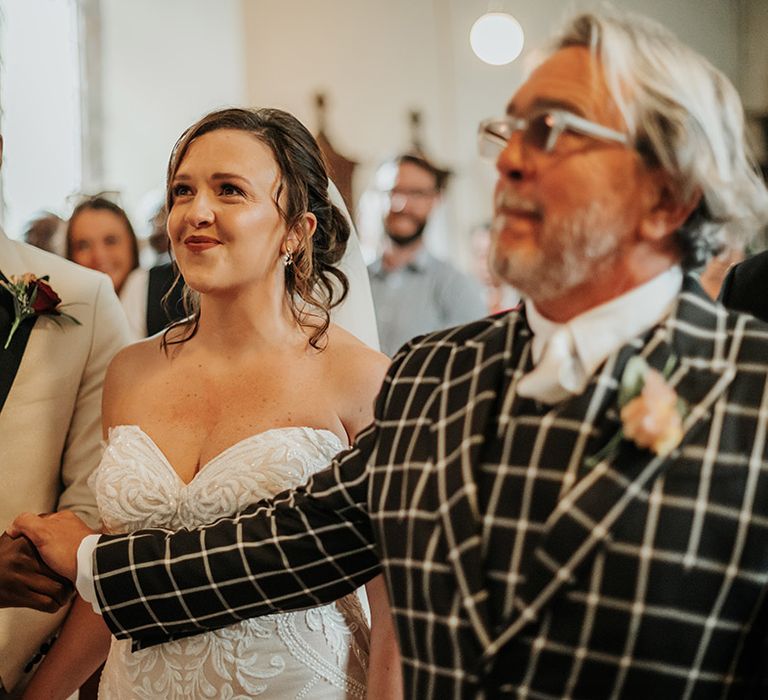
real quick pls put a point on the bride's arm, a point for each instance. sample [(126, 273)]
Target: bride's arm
[(81, 647), (385, 678), (365, 370)]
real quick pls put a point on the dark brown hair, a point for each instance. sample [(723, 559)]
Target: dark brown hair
[(41, 231), (313, 279), (98, 203), (441, 176)]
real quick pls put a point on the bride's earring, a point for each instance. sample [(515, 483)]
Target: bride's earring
[(288, 257)]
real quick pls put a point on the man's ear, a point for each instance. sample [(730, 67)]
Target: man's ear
[(669, 211)]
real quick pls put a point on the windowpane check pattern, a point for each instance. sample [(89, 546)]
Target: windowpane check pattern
[(514, 570)]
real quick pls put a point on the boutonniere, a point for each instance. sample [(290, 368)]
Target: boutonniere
[(651, 411), (33, 296)]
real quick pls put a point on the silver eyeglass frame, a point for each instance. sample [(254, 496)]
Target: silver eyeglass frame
[(493, 134)]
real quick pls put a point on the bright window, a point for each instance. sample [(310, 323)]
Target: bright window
[(40, 102)]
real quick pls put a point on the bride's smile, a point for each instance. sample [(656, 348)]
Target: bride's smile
[(197, 244)]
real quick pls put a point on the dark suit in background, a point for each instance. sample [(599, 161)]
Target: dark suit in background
[(159, 314), (746, 286)]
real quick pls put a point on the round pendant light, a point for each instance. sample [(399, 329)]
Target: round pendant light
[(496, 38)]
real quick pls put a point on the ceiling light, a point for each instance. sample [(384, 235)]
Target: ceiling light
[(497, 38)]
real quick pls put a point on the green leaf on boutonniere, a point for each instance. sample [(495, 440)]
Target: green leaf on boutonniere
[(610, 448), (33, 296), (632, 379), (651, 412)]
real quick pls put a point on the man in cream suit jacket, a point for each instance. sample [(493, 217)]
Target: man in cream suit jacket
[(50, 430)]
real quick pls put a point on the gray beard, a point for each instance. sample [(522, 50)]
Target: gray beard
[(571, 252)]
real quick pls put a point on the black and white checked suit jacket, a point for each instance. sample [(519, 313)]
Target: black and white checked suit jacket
[(514, 570)]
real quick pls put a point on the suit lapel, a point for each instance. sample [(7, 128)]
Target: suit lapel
[(464, 412), (10, 358), (586, 513)]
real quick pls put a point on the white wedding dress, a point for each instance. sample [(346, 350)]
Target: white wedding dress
[(317, 653)]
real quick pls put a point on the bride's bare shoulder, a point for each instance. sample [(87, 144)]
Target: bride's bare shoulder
[(349, 354), (127, 377), (136, 360)]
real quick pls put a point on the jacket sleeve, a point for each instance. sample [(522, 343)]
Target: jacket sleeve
[(303, 548), (82, 448), (744, 287)]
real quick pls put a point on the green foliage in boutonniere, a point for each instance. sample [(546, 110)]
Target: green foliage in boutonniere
[(651, 411), (32, 296)]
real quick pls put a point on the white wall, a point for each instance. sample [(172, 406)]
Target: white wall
[(754, 57), (166, 63), (754, 46), (378, 60), (39, 94)]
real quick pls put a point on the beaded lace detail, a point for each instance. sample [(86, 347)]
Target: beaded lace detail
[(317, 653)]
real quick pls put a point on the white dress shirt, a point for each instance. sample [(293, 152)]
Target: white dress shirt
[(566, 355)]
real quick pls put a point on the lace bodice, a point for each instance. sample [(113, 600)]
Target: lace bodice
[(317, 653)]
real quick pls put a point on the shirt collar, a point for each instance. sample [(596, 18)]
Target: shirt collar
[(605, 328), (377, 267), (420, 263)]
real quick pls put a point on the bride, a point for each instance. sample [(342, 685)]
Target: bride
[(248, 397)]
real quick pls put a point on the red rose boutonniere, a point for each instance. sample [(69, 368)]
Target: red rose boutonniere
[(33, 296)]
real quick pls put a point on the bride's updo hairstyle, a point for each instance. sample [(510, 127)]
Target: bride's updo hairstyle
[(314, 283)]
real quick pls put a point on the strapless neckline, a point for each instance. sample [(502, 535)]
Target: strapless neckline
[(318, 653), (138, 431)]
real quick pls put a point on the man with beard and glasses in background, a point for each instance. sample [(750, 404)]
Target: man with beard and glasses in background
[(567, 500), (413, 291)]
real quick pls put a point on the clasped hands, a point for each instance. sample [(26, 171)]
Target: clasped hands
[(38, 560)]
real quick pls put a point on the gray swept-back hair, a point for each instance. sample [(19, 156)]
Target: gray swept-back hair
[(685, 117)]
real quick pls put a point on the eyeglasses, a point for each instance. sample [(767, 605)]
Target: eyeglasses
[(416, 195), (399, 198), (541, 131)]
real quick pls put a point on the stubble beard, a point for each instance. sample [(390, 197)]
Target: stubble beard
[(570, 252)]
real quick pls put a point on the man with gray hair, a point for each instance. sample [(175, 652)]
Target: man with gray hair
[(570, 500)]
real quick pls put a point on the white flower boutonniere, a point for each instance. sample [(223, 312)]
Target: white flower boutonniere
[(651, 411)]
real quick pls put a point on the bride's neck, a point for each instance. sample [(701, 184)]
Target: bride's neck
[(251, 321)]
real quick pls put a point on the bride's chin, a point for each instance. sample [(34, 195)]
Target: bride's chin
[(201, 286)]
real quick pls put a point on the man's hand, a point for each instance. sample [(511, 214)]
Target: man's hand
[(25, 581), (56, 536)]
